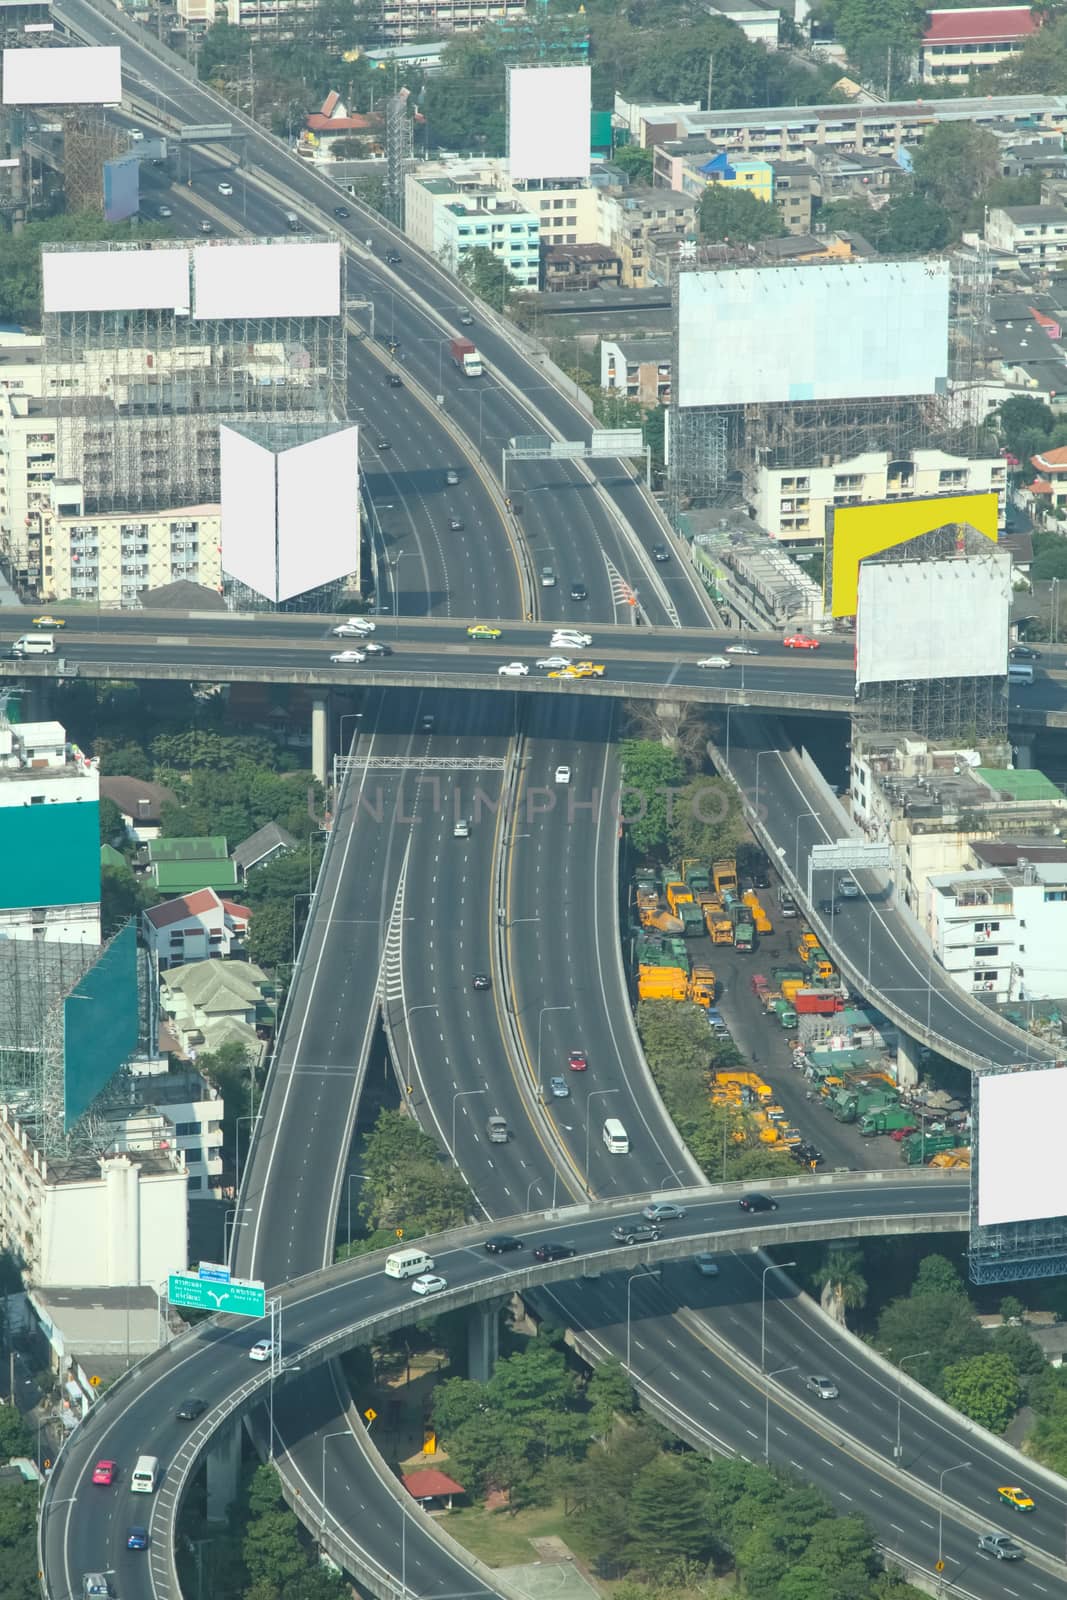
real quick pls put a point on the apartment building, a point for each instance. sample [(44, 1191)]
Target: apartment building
[(165, 1110), (400, 21), (1034, 236), (960, 44), (791, 503), (640, 369), (27, 468), (111, 559), (455, 207), (91, 1221), (49, 837), (639, 224), (999, 927)]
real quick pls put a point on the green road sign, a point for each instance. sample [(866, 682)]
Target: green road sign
[(192, 1293)]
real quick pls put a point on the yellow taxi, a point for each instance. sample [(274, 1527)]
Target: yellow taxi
[(1017, 1498), (481, 630), (587, 669), (49, 622)]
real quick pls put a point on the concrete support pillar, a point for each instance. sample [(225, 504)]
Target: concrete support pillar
[(320, 737), (1023, 752), (908, 1060), (483, 1340), (223, 1471)]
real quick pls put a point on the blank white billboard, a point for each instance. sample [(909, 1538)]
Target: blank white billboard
[(318, 512), (933, 619), (300, 279), (1020, 1146), (115, 280), (248, 512), (90, 76), (549, 110), (833, 331)]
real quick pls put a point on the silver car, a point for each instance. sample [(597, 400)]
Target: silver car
[(560, 1088), (663, 1211), (825, 1388)]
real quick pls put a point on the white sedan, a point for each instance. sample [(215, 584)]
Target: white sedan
[(428, 1283), (567, 638), (715, 661), (513, 669), (225, 188), (347, 657), (357, 625), (563, 774), (262, 1350), (741, 650), (553, 663)]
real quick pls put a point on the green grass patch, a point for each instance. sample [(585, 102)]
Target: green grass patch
[(502, 1540)]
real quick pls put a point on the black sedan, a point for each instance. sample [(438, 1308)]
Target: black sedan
[(1024, 652), (757, 1202), (554, 1252), (481, 982), (342, 212), (190, 1409), (498, 1244)]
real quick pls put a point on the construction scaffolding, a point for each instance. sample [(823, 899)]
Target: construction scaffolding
[(89, 140), (35, 980), (963, 711), (141, 394), (399, 150), (716, 452), (1011, 1252)]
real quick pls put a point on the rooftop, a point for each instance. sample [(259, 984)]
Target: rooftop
[(641, 351), (272, 836), (984, 109), (137, 799), (1051, 216), (428, 1483), (185, 906), (210, 848), (980, 25), (1019, 783)]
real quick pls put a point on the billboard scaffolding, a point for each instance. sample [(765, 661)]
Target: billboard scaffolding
[(1006, 1246)]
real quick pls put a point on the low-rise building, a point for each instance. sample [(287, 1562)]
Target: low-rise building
[(401, 20), (637, 222), (113, 559), (793, 189), (164, 1110), (212, 1003), (333, 122), (180, 866), (957, 45), (759, 20), (140, 805), (195, 927), (1050, 485), (453, 207), (49, 836), (638, 368), (579, 266), (932, 804), (999, 926), (854, 175), (1034, 236), (261, 848), (88, 1220), (791, 503)]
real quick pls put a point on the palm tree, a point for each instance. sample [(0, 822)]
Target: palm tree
[(844, 1286)]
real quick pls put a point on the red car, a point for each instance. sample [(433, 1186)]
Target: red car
[(800, 641), (577, 1062), (104, 1472)]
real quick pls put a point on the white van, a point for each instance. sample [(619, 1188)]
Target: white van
[(1019, 674), (34, 644), (145, 1475), (407, 1263), (616, 1137)]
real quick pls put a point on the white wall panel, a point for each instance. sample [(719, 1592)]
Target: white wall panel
[(248, 512), (88, 76), (1020, 1155), (549, 122), (843, 330), (933, 619), (298, 279), (318, 512), (115, 280)]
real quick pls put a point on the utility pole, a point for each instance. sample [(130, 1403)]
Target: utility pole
[(711, 74)]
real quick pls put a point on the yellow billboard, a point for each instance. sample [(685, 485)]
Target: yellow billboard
[(867, 530)]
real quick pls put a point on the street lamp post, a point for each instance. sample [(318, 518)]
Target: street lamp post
[(760, 753), (589, 1124), (775, 1266), (870, 924), (898, 1450), (252, 1117), (941, 1508), (646, 1272), (395, 564), (352, 1175), (461, 1094), (341, 1433), (767, 1407), (540, 1019), (796, 840)]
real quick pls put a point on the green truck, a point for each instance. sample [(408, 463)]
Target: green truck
[(886, 1119), (692, 919), (787, 1017), (917, 1147), (744, 936)]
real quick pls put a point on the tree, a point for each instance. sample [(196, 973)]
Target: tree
[(1022, 1350), (406, 1184), (937, 1275), (610, 1395), (1050, 557), (487, 276), (15, 1436), (270, 935), (123, 760), (843, 1281), (737, 216), (1041, 65), (706, 819), (667, 1514), (911, 224), (1025, 424), (122, 895), (941, 1323), (112, 827), (635, 161), (955, 161), (350, 149), (985, 1388), (879, 36), (651, 777), (18, 1543)]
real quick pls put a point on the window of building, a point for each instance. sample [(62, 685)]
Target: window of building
[(187, 1130), (194, 1157)]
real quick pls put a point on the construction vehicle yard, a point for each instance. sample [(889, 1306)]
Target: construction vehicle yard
[(825, 1094)]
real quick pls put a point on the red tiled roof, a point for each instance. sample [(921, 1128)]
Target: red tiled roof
[(1041, 486), (320, 124), (238, 913), (329, 105), (429, 1483), (995, 26), (1051, 460), (186, 905)]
